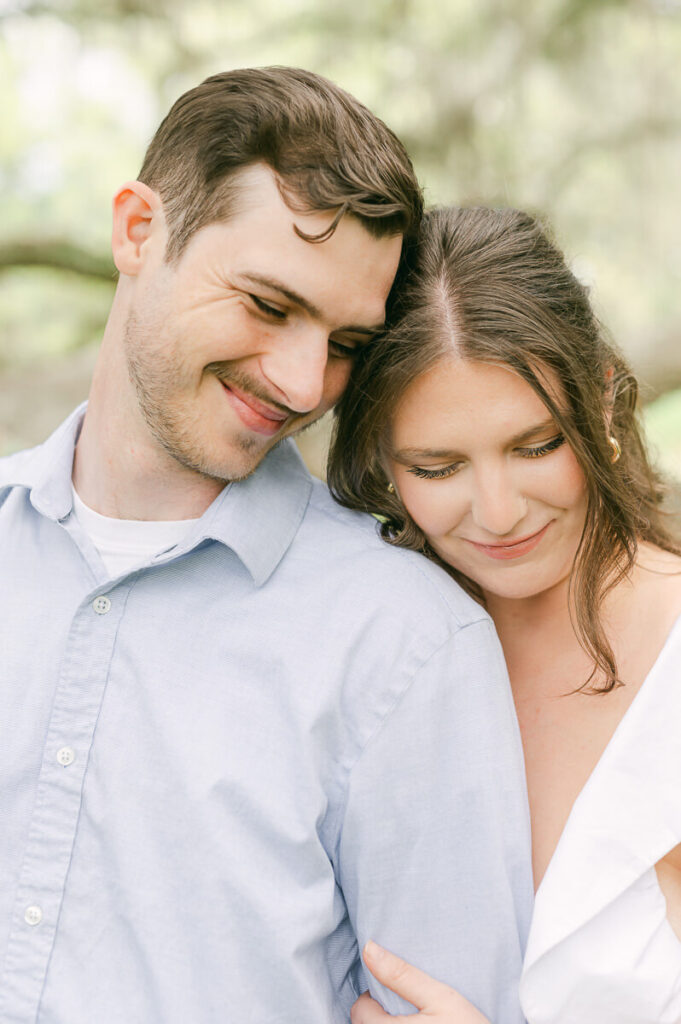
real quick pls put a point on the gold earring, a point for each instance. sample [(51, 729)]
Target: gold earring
[(391, 488), (616, 450)]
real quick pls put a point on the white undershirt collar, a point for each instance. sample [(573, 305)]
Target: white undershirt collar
[(125, 543)]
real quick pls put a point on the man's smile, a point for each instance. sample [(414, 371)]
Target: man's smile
[(253, 413)]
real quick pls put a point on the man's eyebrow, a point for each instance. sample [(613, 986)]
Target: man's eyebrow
[(303, 303), (410, 453)]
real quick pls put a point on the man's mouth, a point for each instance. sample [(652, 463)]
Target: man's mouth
[(254, 414)]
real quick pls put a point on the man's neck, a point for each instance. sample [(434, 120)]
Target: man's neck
[(119, 470)]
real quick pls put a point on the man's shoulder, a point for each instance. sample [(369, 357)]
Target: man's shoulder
[(352, 550), (15, 469), (52, 457)]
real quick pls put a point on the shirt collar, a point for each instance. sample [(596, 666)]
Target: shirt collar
[(257, 518), (46, 470)]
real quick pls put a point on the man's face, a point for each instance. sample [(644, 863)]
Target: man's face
[(250, 335)]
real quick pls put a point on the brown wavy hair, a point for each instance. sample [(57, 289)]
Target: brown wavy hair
[(491, 286), (327, 151)]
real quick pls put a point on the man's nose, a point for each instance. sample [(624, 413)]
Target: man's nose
[(296, 368), (498, 505)]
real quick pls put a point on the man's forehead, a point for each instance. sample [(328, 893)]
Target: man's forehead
[(257, 187), (342, 280), (336, 282)]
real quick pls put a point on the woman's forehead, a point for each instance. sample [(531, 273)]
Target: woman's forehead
[(467, 392)]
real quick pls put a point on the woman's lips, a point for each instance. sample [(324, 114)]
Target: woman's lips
[(514, 549), (253, 413)]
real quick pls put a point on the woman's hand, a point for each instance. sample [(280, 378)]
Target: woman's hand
[(436, 1002)]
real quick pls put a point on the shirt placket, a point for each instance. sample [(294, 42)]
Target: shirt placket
[(77, 703)]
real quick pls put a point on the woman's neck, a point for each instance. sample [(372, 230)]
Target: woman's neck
[(541, 645), (541, 614)]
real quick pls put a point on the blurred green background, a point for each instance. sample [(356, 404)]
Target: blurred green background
[(570, 108)]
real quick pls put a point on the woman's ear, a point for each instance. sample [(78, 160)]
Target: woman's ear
[(138, 226)]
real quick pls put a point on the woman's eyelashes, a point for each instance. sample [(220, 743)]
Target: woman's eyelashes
[(527, 452), (542, 449), (434, 474)]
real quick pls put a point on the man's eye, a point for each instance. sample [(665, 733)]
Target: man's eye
[(341, 351), (264, 307)]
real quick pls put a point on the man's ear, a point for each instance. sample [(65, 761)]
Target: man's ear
[(137, 219)]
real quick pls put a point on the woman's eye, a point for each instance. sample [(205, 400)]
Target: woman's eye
[(542, 449), (434, 474), (264, 307)]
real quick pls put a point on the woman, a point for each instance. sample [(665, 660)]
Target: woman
[(495, 430)]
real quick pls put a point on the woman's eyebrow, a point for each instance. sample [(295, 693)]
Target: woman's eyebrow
[(410, 453), (539, 428)]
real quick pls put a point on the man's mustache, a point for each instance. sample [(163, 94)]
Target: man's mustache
[(228, 375)]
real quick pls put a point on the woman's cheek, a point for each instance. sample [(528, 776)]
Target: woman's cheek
[(432, 506), (566, 485)]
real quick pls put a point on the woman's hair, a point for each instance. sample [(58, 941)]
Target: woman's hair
[(489, 286)]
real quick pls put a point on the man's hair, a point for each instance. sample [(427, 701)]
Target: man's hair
[(327, 151), (490, 286)]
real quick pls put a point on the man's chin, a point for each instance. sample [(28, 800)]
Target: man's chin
[(243, 457), (293, 430), (241, 465)]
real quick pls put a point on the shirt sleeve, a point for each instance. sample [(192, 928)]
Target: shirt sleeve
[(434, 849)]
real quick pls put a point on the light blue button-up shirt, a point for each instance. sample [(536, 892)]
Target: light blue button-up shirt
[(223, 770)]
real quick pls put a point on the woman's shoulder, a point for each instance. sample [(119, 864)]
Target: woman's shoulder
[(657, 592), (660, 563)]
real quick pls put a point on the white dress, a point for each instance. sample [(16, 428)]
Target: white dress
[(601, 950)]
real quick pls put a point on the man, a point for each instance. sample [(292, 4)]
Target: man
[(240, 735)]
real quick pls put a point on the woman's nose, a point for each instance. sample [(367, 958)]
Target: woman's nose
[(498, 505)]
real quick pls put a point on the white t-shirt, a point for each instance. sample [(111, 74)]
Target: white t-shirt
[(125, 543)]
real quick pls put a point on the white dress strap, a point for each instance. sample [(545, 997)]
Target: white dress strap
[(600, 918)]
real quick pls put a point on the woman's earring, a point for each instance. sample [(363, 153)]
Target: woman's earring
[(391, 488), (616, 450)]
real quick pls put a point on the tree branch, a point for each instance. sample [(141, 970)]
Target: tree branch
[(58, 254)]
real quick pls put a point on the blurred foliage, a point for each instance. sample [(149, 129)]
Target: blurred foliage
[(568, 107), (663, 428)]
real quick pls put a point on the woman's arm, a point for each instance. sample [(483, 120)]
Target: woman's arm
[(437, 1003)]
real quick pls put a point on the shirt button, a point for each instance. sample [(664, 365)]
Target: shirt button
[(101, 605), (33, 916), (66, 756)]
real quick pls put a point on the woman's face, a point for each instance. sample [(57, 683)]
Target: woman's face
[(482, 468)]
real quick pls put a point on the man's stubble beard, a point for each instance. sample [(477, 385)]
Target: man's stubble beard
[(153, 376)]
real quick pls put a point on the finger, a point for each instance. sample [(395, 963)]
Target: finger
[(406, 981), (367, 1011)]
